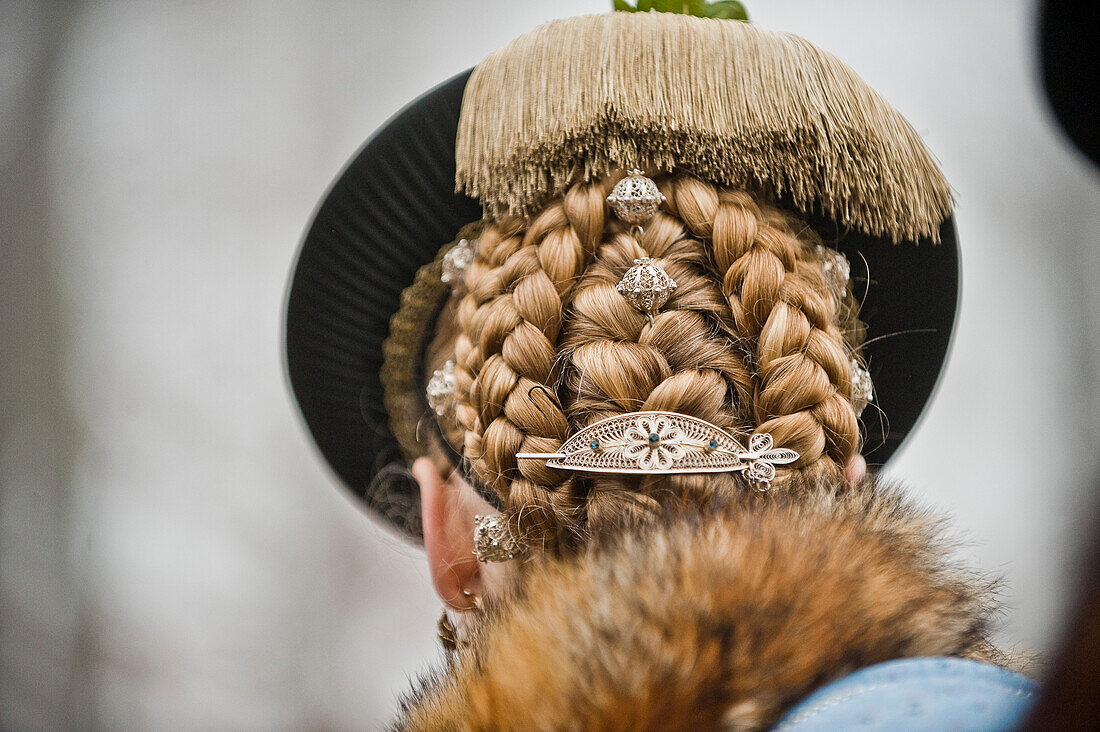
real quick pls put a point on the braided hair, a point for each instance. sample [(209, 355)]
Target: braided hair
[(752, 340)]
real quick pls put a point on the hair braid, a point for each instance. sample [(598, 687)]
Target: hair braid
[(509, 325), (750, 340), (684, 361), (781, 307)]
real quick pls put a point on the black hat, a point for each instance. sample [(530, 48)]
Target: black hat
[(394, 206)]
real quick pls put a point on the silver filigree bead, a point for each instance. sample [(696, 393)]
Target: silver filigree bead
[(646, 286), (863, 389), (836, 269), (456, 260), (635, 199), (441, 388), (493, 540)]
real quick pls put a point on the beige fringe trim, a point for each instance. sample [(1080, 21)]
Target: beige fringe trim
[(726, 100)]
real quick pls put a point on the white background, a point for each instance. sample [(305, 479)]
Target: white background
[(173, 553)]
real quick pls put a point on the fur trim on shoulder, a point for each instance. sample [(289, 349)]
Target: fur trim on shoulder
[(715, 619)]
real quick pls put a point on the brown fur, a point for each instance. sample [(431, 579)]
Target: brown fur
[(725, 616)]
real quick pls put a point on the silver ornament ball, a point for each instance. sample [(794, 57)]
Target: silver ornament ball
[(635, 199)]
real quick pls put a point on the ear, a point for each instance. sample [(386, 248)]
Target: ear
[(448, 536), (856, 469)]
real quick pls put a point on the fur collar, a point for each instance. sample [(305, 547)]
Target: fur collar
[(713, 619)]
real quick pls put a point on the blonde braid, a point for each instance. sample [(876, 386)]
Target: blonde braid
[(780, 305), (750, 340), (684, 362), (509, 324)]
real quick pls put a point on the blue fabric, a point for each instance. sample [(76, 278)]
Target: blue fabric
[(916, 694)]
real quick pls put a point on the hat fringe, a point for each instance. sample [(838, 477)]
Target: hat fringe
[(723, 99)]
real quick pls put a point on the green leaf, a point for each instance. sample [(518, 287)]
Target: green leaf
[(727, 10), (724, 9), (682, 7)]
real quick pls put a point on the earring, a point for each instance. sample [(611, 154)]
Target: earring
[(445, 629), (448, 636), (475, 600)]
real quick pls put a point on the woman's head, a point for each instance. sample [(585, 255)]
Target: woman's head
[(760, 336), (755, 338), (543, 343)]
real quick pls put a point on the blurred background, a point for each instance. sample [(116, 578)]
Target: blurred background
[(173, 552)]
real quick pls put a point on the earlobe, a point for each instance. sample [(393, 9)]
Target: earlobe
[(448, 537), (856, 469)]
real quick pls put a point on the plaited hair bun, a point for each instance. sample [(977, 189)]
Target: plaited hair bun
[(545, 343)]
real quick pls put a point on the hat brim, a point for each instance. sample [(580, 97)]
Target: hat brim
[(392, 208)]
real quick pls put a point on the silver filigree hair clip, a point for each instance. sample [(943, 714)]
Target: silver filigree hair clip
[(493, 541), (455, 262), (653, 443), (836, 270), (441, 388), (863, 389)]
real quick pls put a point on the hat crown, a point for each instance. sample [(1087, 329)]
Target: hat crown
[(725, 100)]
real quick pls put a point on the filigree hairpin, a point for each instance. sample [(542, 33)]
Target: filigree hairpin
[(646, 286), (441, 388), (653, 443), (493, 540), (837, 270), (635, 199), (456, 260), (863, 389)]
